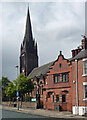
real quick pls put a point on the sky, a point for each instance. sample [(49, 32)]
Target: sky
[(56, 26)]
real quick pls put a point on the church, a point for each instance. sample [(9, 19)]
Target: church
[(58, 85), (29, 55)]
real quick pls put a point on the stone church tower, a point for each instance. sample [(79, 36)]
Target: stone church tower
[(29, 55)]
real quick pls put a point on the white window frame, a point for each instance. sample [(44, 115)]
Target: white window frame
[(55, 79), (84, 84), (84, 74)]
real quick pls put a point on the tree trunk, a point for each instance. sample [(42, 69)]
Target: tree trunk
[(21, 101), (10, 102)]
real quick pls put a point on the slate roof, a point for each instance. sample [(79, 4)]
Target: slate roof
[(42, 70), (82, 54)]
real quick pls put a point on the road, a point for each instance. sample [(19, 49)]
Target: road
[(13, 114)]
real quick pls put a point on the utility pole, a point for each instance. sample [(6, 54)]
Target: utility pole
[(17, 90)]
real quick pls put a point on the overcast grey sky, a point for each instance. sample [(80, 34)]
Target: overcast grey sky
[(56, 26)]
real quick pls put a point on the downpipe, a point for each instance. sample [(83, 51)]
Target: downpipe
[(77, 103)]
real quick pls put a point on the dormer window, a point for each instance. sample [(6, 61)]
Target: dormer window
[(85, 67)]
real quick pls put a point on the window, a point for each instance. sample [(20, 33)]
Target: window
[(57, 78), (63, 98), (84, 67), (57, 98), (53, 98), (65, 77), (85, 91)]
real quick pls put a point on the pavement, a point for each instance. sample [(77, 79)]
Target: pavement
[(47, 113)]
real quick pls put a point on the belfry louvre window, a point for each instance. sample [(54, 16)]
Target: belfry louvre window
[(84, 67)]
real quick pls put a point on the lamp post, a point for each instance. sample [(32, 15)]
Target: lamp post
[(17, 90)]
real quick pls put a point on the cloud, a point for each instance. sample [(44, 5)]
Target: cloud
[(56, 26)]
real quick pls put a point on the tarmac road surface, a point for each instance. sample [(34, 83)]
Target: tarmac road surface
[(14, 114)]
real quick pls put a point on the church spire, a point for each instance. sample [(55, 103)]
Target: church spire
[(29, 55), (28, 31)]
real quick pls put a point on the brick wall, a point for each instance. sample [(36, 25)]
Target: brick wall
[(60, 88), (81, 79)]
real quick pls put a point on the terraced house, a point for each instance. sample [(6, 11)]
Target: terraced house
[(66, 82), (79, 78)]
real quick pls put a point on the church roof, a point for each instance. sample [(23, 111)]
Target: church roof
[(42, 70), (82, 54)]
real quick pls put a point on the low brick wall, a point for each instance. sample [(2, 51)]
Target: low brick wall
[(24, 104), (29, 104)]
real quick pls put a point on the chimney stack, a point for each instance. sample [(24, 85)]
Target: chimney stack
[(84, 43), (75, 52)]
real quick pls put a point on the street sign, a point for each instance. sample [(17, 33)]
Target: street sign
[(17, 93), (33, 99)]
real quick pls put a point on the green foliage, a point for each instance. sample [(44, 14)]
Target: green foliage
[(11, 91), (4, 82), (25, 85), (4, 85)]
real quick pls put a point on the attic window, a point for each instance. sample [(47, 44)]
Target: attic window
[(60, 65)]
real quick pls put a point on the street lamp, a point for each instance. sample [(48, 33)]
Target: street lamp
[(17, 90)]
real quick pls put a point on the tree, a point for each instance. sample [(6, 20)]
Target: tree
[(25, 85), (11, 91), (4, 82), (4, 85)]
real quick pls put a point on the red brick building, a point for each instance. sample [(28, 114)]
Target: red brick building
[(66, 82), (59, 84), (62, 84), (79, 78), (38, 75), (57, 92)]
